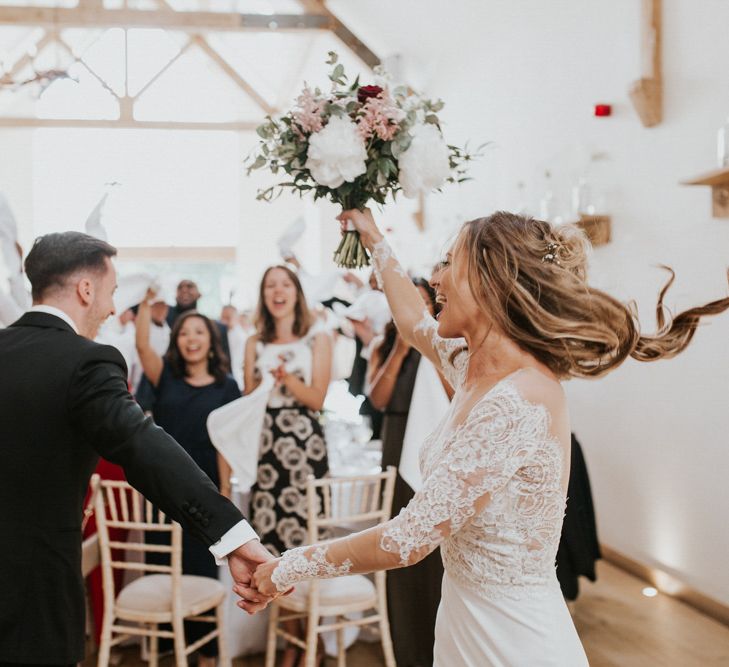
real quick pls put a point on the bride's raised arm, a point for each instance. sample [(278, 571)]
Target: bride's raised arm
[(415, 324)]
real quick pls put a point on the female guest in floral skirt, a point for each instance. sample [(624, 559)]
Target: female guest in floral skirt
[(292, 442)]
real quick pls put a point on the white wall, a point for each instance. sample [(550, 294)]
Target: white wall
[(525, 75), (16, 183)]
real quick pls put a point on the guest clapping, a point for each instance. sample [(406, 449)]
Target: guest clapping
[(292, 440)]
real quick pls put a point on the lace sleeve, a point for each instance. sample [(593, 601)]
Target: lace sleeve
[(497, 440), (481, 457), (449, 355), (306, 563)]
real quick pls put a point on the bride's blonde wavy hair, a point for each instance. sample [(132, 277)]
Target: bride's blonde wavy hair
[(531, 279)]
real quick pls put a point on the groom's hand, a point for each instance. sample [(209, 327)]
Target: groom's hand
[(243, 563)]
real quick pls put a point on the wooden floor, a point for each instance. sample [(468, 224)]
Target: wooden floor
[(618, 625)]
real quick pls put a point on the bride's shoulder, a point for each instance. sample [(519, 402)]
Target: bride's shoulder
[(538, 388)]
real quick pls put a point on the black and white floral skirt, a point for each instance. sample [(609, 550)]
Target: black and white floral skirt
[(292, 448)]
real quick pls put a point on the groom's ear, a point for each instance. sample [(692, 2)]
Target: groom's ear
[(85, 290)]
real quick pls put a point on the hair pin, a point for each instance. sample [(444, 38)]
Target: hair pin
[(551, 254)]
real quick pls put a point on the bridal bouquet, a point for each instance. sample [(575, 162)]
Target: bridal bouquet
[(357, 143)]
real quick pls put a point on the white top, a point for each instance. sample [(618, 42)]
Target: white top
[(298, 359)]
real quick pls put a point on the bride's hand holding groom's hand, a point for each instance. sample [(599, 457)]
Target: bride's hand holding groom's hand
[(258, 590), (262, 579), (243, 563)]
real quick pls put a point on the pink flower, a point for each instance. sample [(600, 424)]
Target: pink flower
[(307, 114), (380, 116)]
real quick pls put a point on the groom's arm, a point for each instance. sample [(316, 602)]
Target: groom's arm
[(109, 419)]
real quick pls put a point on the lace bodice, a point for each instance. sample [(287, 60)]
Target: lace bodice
[(492, 499), (493, 496)]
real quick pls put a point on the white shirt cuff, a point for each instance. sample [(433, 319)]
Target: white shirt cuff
[(237, 536)]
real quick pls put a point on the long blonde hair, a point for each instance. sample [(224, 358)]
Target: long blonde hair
[(530, 278)]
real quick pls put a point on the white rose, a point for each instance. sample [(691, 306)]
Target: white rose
[(303, 428), (262, 500), (296, 537), (424, 165), (267, 476), (283, 445), (286, 420), (266, 442), (291, 501), (293, 459), (336, 153), (264, 521), (315, 448), (285, 526), (300, 476)]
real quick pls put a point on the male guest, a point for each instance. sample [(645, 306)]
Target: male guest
[(64, 402), (186, 298)]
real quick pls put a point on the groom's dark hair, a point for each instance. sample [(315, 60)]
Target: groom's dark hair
[(55, 257)]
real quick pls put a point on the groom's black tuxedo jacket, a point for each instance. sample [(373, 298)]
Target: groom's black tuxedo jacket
[(64, 402)]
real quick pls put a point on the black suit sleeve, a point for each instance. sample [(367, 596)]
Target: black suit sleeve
[(105, 413)]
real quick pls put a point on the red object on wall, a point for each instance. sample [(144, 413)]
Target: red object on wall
[(603, 110)]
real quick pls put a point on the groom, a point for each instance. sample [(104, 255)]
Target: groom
[(64, 402)]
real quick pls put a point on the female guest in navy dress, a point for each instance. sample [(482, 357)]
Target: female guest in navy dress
[(190, 382)]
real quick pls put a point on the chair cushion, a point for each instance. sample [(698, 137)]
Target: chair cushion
[(355, 589), (153, 594)]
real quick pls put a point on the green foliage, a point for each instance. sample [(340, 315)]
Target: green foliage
[(284, 143)]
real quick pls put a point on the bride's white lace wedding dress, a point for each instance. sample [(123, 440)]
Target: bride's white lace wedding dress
[(493, 499)]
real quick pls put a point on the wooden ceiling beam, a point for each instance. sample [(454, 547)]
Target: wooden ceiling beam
[(318, 8), (238, 126), (94, 17), (26, 59)]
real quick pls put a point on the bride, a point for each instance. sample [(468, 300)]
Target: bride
[(517, 318)]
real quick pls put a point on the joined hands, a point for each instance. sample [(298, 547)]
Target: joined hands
[(251, 566)]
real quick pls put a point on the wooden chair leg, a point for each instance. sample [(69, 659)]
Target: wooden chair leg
[(341, 651), (105, 642), (384, 621), (312, 640), (223, 655), (271, 637), (154, 648), (178, 628)]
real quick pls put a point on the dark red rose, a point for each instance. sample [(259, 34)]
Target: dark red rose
[(365, 92)]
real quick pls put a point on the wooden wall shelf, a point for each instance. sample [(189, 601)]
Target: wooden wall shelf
[(597, 228), (646, 93), (718, 181)]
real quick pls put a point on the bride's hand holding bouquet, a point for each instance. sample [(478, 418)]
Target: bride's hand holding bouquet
[(363, 223)]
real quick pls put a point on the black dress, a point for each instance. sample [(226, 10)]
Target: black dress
[(182, 410), (413, 593), (579, 547)]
